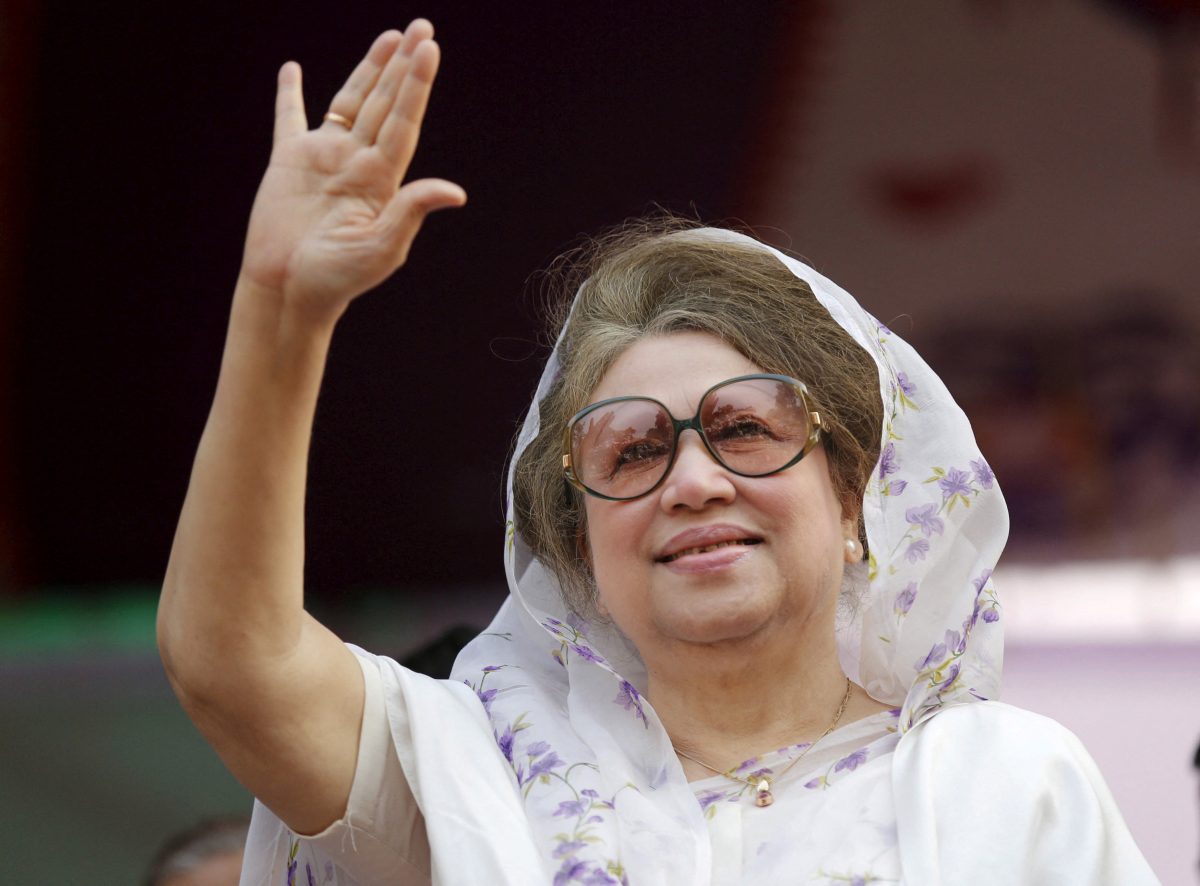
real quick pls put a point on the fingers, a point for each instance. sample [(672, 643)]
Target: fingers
[(377, 104), (405, 214), (289, 103), (401, 128), (349, 99)]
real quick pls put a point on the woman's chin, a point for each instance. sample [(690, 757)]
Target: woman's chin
[(714, 623)]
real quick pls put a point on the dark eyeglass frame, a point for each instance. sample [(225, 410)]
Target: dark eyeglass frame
[(816, 423)]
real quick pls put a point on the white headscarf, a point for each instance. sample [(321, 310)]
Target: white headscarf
[(602, 787)]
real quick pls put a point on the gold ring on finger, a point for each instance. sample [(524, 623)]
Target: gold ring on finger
[(335, 117)]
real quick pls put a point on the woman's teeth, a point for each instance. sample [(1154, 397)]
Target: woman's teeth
[(706, 548)]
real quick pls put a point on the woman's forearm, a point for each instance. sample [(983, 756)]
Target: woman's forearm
[(233, 593)]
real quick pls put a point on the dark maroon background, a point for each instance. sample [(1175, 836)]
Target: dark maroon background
[(148, 125)]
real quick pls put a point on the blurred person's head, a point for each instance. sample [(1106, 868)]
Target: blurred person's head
[(208, 854)]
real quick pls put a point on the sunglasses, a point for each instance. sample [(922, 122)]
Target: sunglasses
[(753, 426)]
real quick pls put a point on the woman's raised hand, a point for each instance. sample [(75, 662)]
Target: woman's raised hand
[(278, 694), (332, 218)]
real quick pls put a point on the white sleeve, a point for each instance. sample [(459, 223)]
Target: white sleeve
[(990, 794), (380, 839), (468, 794)]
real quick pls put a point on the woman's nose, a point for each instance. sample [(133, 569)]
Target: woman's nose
[(695, 479)]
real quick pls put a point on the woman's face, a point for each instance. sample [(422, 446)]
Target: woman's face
[(782, 571)]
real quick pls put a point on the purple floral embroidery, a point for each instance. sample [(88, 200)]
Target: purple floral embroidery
[(572, 637), (542, 761), (598, 878), (540, 766), (487, 696), (951, 676), (585, 653), (292, 863), (904, 600), (986, 597), (708, 797), (544, 766), (630, 699), (956, 642), (583, 809), (905, 385), (505, 742), (312, 881), (851, 761), (917, 550), (954, 483), (970, 622), (887, 461), (982, 473), (569, 848), (926, 519), (895, 487), (848, 763), (936, 654), (572, 807), (571, 869)]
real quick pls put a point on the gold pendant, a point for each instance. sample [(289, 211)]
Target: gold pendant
[(764, 796)]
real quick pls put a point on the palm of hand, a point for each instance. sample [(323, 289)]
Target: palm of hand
[(329, 222)]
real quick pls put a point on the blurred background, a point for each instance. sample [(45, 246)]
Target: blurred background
[(1012, 185)]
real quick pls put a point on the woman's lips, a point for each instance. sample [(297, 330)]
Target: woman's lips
[(697, 560), (706, 547), (698, 538)]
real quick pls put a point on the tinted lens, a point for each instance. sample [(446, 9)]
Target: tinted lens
[(622, 449), (755, 426)]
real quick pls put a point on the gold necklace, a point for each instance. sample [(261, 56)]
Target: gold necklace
[(762, 784)]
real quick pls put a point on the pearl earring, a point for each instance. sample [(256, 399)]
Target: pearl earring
[(852, 549)]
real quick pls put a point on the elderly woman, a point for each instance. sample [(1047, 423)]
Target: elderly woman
[(752, 634)]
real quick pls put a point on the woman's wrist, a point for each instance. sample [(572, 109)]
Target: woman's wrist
[(285, 313), (273, 336)]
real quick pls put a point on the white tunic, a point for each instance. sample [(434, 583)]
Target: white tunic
[(982, 793)]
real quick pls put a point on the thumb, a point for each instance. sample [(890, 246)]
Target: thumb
[(403, 217)]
